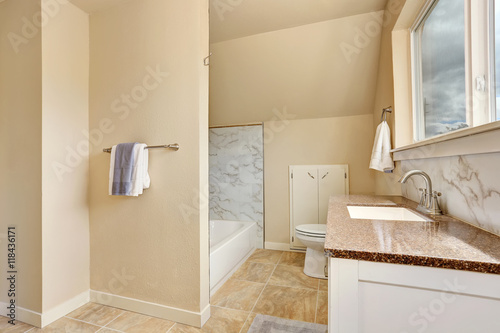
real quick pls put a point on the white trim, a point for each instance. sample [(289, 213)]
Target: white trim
[(479, 142), (63, 309), (423, 14), (277, 246), (491, 59), (404, 127), (284, 247), (41, 320), (178, 315), (23, 315), (205, 315), (418, 104)]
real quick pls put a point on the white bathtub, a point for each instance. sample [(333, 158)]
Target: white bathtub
[(231, 243)]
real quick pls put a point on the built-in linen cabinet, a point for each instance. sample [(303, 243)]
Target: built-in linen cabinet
[(310, 189)]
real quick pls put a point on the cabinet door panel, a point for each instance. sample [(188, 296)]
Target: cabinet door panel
[(412, 310), (332, 181), (304, 203)]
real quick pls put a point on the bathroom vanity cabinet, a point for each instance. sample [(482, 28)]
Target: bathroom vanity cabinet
[(379, 297), (435, 275)]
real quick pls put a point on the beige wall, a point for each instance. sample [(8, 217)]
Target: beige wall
[(314, 88), (340, 140), (304, 69), (65, 232), (160, 239), (387, 184), (21, 152)]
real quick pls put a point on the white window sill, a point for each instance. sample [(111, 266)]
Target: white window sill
[(476, 140)]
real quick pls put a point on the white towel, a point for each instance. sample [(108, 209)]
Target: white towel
[(140, 174), (381, 154), (112, 169)]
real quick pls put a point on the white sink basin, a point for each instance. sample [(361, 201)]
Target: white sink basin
[(383, 213)]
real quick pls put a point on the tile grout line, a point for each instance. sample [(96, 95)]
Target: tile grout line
[(267, 282), (277, 285), (121, 314), (251, 311), (175, 323), (317, 301), (83, 321), (107, 328)]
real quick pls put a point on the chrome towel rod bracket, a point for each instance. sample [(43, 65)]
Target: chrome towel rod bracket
[(173, 146), (384, 113)]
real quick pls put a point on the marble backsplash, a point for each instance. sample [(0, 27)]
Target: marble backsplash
[(470, 186), (237, 175)]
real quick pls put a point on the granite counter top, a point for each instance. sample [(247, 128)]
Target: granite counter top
[(446, 243)]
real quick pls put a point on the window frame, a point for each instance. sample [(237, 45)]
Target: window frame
[(479, 61)]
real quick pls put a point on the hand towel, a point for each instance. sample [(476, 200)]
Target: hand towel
[(121, 171), (381, 154), (140, 177)]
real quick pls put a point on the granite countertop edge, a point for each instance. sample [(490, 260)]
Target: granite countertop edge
[(339, 218)]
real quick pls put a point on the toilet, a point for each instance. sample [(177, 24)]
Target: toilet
[(313, 237)]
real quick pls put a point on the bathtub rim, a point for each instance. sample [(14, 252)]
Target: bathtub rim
[(245, 226)]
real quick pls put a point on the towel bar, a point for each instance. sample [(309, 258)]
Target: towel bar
[(174, 146)]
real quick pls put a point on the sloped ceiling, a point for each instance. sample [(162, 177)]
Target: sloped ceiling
[(230, 19), (92, 6)]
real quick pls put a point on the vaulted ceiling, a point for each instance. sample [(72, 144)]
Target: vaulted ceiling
[(92, 6), (230, 19)]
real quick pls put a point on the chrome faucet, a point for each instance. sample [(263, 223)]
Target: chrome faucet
[(428, 201)]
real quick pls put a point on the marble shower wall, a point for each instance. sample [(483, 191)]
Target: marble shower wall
[(237, 175), (470, 186)]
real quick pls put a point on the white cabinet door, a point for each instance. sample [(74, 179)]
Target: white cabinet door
[(310, 189), (366, 297), (304, 198), (413, 310), (332, 181)]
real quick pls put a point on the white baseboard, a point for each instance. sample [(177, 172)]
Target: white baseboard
[(24, 315), (41, 320), (63, 309), (277, 246), (182, 316), (205, 315), (281, 247)]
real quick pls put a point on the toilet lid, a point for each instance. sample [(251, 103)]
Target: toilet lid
[(316, 229)]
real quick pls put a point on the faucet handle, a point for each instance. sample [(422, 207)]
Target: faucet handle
[(423, 197), (435, 209)]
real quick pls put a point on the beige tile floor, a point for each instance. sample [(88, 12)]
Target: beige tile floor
[(269, 282)]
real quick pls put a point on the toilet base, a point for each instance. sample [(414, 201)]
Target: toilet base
[(316, 264)]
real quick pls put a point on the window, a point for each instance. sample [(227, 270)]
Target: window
[(455, 67), (497, 57)]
